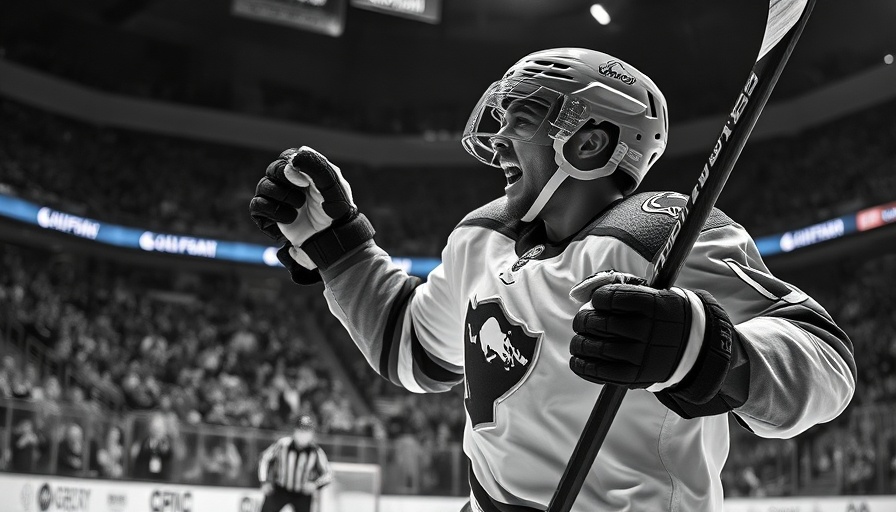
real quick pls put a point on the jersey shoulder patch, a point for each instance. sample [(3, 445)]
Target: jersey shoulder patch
[(643, 221), (494, 216)]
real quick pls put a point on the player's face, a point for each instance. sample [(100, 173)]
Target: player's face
[(525, 153)]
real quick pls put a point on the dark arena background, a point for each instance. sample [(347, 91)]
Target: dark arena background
[(140, 304)]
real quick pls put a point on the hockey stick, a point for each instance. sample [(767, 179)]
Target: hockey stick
[(785, 22)]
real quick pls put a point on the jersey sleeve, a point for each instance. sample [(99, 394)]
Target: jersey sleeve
[(408, 330), (801, 364)]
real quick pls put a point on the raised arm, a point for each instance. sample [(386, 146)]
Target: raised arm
[(406, 329)]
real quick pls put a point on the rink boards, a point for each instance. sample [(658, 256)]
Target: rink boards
[(38, 493)]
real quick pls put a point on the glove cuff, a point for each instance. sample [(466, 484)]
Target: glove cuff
[(699, 393), (328, 246), (298, 273)]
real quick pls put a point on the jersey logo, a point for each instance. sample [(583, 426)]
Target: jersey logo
[(531, 254), (507, 276), (767, 285), (667, 203), (499, 353)]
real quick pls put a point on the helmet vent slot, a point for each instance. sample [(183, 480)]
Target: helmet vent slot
[(549, 64), (651, 104), (539, 72), (554, 74)]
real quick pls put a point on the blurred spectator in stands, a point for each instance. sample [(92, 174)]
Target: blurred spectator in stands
[(77, 402), (169, 416), (94, 404), (859, 466), (110, 454), (336, 413), (141, 391), (27, 445), (409, 458), (243, 341), (222, 464), (444, 461), (8, 369), (21, 385), (153, 456), (49, 394), (287, 399), (70, 461)]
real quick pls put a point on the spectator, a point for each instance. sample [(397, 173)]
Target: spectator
[(110, 455), (71, 452), (154, 456), (409, 459), (27, 444), (7, 372), (223, 464)]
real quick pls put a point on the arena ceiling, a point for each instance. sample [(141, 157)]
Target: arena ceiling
[(698, 51)]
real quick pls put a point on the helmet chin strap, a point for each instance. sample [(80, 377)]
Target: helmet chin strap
[(565, 170), (545, 195)]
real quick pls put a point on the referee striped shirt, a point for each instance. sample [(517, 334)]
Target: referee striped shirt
[(290, 467)]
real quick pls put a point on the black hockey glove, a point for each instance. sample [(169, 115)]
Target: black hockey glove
[(676, 343), (304, 200)]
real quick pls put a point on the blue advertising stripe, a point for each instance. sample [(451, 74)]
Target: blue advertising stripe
[(769, 245), (141, 239), (423, 266), (119, 235), (18, 209)]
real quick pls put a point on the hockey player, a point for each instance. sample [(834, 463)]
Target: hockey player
[(555, 268)]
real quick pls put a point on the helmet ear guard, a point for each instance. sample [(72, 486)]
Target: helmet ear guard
[(590, 174)]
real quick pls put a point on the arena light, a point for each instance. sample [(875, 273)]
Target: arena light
[(888, 59), (600, 14)]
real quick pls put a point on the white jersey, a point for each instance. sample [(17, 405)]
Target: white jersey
[(496, 315)]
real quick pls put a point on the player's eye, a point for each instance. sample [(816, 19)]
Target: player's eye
[(516, 120)]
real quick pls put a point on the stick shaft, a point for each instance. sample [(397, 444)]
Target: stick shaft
[(667, 264)]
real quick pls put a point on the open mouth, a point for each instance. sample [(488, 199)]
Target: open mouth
[(512, 173)]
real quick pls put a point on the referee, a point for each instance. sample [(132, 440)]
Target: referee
[(293, 469)]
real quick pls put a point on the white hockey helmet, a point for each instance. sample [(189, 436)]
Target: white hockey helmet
[(582, 85)]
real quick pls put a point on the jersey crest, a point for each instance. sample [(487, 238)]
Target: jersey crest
[(499, 353), (668, 203)]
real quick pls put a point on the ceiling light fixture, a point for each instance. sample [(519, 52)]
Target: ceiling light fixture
[(888, 59), (600, 14)]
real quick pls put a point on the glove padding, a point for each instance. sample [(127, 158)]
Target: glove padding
[(304, 200), (672, 342)]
